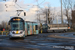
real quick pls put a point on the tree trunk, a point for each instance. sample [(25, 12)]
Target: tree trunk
[(67, 16)]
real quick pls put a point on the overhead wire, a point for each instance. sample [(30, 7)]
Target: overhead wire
[(28, 5), (40, 4), (20, 6)]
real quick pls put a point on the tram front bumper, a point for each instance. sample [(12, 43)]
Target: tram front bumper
[(17, 35)]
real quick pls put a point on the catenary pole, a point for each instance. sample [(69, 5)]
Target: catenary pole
[(61, 13)]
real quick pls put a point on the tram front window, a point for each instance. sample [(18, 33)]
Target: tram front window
[(16, 25), (44, 26)]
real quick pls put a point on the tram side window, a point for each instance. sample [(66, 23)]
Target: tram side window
[(28, 26), (36, 27)]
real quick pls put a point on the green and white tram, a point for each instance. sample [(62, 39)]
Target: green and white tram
[(21, 28), (17, 27)]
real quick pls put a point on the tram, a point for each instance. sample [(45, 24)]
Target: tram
[(21, 28), (55, 27)]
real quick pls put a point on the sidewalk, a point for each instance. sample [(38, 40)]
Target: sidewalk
[(64, 35)]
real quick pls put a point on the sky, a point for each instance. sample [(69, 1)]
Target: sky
[(28, 7), (53, 3)]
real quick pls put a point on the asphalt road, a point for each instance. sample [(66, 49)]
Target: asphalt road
[(45, 41)]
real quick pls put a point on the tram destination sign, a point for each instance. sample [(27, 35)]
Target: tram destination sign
[(16, 19)]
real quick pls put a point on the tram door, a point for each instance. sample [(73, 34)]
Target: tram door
[(26, 32), (28, 26), (34, 31), (31, 32), (35, 28)]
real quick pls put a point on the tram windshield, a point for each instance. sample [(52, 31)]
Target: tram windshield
[(44, 26), (16, 25)]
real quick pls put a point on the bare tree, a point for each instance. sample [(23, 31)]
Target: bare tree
[(47, 13), (4, 25), (68, 5), (0, 26)]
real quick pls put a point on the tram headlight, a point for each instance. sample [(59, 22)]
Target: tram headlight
[(20, 32), (13, 32)]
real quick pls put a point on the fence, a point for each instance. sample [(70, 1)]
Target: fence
[(4, 33)]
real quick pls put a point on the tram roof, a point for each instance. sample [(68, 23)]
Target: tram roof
[(12, 20), (30, 22)]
